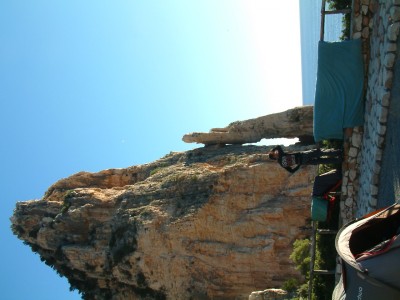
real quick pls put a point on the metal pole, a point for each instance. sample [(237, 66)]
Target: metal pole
[(312, 258), (351, 20), (322, 32)]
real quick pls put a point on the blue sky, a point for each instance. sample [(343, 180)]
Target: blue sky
[(91, 85)]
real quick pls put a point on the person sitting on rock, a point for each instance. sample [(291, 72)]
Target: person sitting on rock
[(292, 161)]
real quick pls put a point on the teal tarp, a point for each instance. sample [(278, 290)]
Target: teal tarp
[(339, 89)]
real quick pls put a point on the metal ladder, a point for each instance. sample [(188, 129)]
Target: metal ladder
[(329, 12), (316, 231)]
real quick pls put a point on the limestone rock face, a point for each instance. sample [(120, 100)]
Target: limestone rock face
[(211, 223), (293, 123)]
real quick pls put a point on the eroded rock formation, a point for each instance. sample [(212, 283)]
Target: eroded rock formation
[(293, 123), (211, 223)]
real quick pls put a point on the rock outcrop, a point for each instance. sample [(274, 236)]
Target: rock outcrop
[(293, 123), (269, 294), (211, 223)]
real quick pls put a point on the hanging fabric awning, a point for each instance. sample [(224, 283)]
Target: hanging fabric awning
[(339, 89)]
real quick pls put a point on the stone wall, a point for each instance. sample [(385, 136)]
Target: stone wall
[(361, 29), (384, 29), (377, 23)]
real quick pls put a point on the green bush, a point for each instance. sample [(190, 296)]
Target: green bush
[(301, 256), (346, 21)]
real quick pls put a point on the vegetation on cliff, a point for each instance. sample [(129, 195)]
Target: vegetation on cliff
[(346, 20)]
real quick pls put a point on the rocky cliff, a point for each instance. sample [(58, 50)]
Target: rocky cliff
[(211, 223)]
